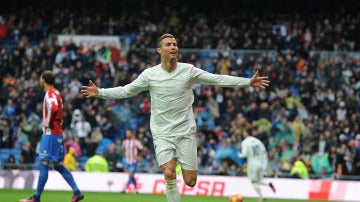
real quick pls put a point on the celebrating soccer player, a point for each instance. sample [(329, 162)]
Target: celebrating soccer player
[(172, 120)]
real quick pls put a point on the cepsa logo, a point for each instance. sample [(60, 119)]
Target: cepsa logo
[(203, 187)]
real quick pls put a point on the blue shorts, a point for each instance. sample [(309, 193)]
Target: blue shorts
[(131, 168), (51, 148)]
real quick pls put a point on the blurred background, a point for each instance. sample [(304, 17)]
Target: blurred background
[(309, 116)]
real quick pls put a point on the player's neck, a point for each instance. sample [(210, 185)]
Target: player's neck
[(47, 87), (169, 65)]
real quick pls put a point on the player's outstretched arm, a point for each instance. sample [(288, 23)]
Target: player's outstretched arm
[(89, 91), (259, 81)]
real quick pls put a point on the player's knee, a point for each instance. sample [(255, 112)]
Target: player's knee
[(169, 174), (191, 182)]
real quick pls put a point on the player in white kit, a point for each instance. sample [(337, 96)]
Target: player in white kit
[(255, 152), (172, 121)]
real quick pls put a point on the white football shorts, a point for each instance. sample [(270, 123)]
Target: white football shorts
[(255, 173), (181, 147)]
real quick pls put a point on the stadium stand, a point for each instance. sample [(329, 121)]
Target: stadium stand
[(309, 51)]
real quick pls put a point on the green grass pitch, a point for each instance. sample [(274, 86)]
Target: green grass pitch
[(14, 195)]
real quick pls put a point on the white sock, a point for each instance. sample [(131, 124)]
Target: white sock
[(172, 191)]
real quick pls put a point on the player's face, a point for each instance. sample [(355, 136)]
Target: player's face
[(168, 49), (128, 134)]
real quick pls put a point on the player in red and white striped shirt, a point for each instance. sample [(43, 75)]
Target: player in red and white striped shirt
[(51, 150), (132, 149), (52, 112)]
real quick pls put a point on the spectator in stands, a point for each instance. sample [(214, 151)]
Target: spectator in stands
[(307, 39), (113, 158), (343, 45), (10, 163), (4, 27), (10, 109), (76, 117), (73, 142), (6, 133), (97, 163), (356, 160), (70, 160), (82, 129), (223, 151), (22, 135), (35, 133), (320, 163), (299, 170), (145, 137), (27, 155), (93, 141), (107, 128), (91, 116), (342, 160)]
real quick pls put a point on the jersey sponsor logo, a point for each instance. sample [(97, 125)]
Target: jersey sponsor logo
[(43, 154)]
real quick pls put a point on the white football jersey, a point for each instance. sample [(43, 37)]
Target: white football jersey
[(254, 150), (171, 95)]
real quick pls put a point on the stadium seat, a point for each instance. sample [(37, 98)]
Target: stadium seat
[(5, 153)]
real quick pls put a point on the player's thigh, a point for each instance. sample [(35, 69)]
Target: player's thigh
[(260, 174), (186, 152), (253, 173)]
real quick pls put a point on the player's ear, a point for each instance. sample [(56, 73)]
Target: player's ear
[(158, 50)]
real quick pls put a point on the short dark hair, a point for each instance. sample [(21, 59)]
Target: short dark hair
[(48, 77), (166, 35)]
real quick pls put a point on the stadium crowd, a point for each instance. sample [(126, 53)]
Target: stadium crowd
[(308, 117)]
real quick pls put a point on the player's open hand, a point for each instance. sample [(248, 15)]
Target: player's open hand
[(89, 91), (259, 81)]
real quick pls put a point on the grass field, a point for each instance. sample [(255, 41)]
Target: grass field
[(13, 195)]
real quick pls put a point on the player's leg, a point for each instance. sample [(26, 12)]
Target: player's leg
[(128, 182), (43, 177), (131, 169), (254, 173), (132, 176), (262, 182), (66, 174), (190, 177), (45, 155), (165, 156), (186, 152), (58, 156), (169, 171)]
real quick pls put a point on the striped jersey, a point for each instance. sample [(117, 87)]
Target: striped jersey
[(52, 112), (131, 149)]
